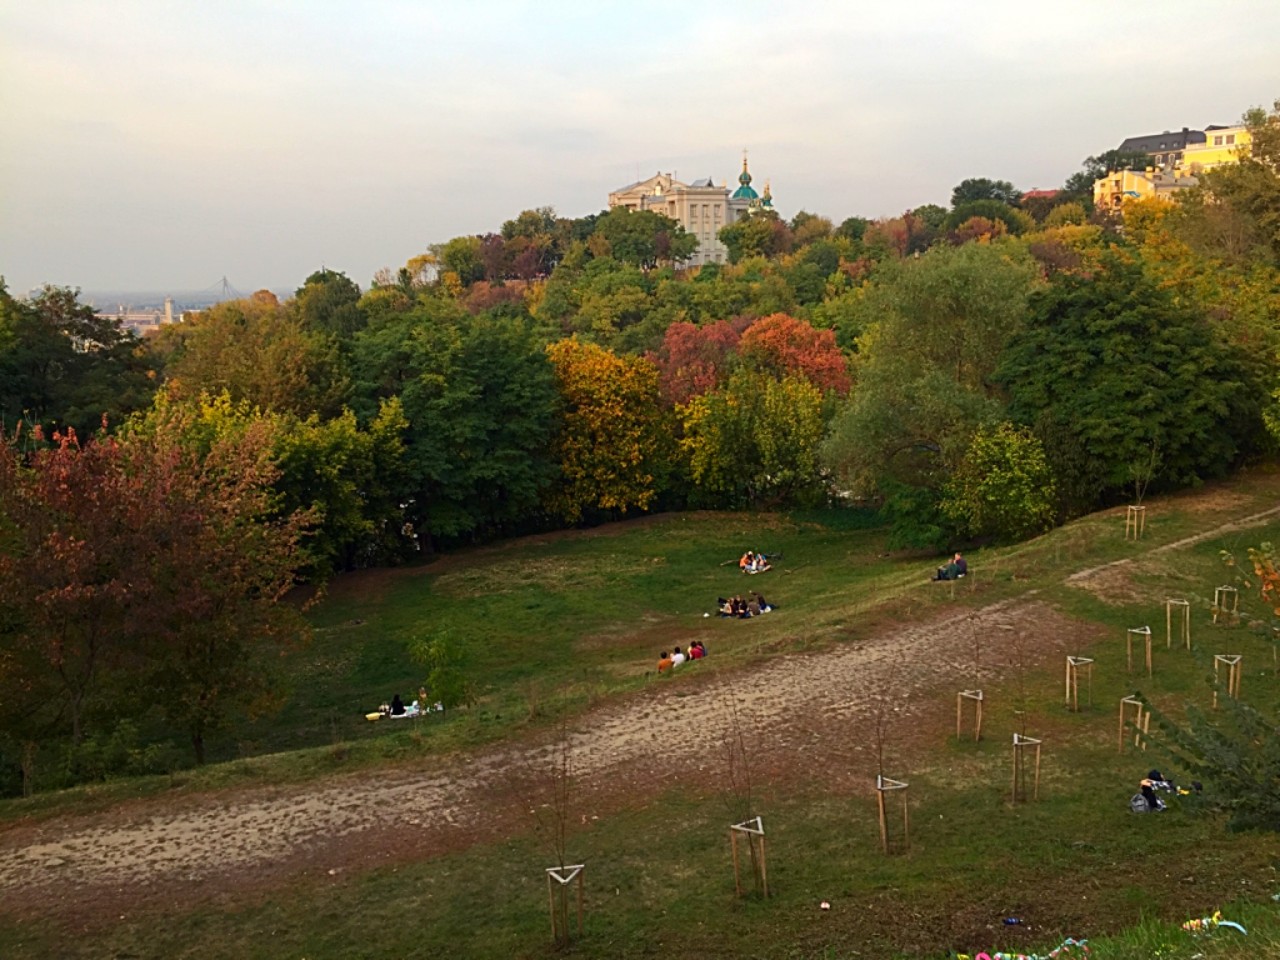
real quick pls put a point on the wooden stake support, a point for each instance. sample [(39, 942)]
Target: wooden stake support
[(1232, 662), (1184, 621), (885, 785), (753, 830), (976, 697), (1020, 744), (1135, 522), (559, 879), (1141, 722), (1221, 597), (1071, 695), (1145, 634)]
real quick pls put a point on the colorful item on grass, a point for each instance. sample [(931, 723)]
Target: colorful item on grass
[(1205, 924), (1069, 949)]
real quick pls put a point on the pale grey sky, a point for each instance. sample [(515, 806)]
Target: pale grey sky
[(152, 145)]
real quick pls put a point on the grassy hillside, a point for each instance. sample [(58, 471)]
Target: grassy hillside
[(562, 626)]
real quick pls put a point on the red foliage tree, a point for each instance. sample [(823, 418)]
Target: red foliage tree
[(780, 344), (137, 561), (694, 360)]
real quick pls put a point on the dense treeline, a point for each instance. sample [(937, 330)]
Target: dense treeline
[(982, 371)]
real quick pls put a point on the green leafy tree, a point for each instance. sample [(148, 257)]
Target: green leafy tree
[(62, 366), (761, 235), (1003, 486), (480, 403), (461, 256), (329, 302), (755, 441), (1109, 366), (982, 188), (935, 328), (447, 681), (1066, 214), (1015, 221), (644, 238)]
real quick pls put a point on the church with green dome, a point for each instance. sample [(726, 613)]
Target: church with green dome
[(702, 207)]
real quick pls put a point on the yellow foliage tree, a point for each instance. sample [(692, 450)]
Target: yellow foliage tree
[(610, 446)]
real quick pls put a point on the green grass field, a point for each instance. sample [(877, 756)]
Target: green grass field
[(554, 627)]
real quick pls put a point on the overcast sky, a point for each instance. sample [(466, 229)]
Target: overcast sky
[(153, 145)]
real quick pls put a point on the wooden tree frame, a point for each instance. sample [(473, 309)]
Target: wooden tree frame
[(1220, 609), (1145, 634), (975, 696), (1135, 522), (1020, 745), (886, 785), (559, 880), (1141, 721), (1184, 621), (753, 830), (1071, 694), (1232, 661)]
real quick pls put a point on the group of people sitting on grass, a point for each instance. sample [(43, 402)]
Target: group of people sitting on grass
[(754, 562), (669, 661), (397, 709), (954, 570), (737, 607)]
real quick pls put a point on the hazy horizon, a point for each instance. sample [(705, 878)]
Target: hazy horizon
[(155, 147)]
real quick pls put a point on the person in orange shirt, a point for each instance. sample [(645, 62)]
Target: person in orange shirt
[(665, 662)]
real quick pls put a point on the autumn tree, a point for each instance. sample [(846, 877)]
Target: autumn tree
[(782, 345), (256, 350), (611, 442), (133, 571), (696, 359)]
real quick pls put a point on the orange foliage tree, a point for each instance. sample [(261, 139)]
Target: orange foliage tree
[(781, 345), (611, 445)]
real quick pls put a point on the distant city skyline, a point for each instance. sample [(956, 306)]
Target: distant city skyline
[(151, 146)]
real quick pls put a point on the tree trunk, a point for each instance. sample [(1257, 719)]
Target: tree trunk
[(197, 743)]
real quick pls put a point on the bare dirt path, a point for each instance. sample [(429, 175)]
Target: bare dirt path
[(794, 708)]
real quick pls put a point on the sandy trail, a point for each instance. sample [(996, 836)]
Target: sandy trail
[(787, 706)]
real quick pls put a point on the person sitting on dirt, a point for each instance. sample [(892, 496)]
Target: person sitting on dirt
[(954, 570), (665, 663), (397, 706), (677, 657)]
